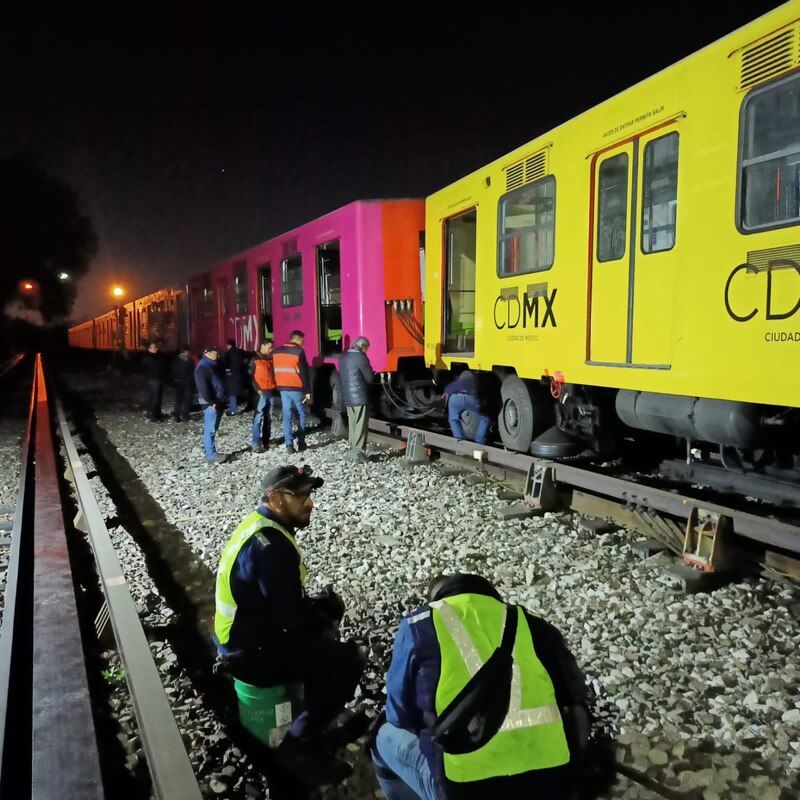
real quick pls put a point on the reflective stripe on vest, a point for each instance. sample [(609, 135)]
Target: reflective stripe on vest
[(263, 374), (287, 369), (251, 525), (469, 628)]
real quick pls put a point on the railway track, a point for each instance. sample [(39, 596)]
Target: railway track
[(715, 534), (46, 702)]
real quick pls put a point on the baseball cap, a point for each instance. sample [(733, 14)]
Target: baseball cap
[(299, 481), (210, 348)]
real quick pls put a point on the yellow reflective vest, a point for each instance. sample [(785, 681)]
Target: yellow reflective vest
[(252, 525), (469, 627)]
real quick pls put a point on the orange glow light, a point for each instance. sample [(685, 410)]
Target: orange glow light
[(117, 291)]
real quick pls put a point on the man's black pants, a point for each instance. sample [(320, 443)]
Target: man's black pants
[(155, 390), (328, 669), (184, 395)]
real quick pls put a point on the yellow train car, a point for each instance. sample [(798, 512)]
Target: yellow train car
[(640, 263)]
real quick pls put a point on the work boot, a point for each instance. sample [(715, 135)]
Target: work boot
[(290, 449), (257, 448), (307, 761), (354, 727), (301, 445)]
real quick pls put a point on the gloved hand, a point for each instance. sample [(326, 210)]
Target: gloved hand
[(329, 603)]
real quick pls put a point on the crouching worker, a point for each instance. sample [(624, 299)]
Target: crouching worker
[(476, 707), (270, 632)]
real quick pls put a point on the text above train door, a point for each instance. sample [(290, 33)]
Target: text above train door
[(458, 297), (634, 257), (329, 302)]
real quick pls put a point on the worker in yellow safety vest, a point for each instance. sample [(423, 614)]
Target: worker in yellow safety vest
[(538, 708), (269, 631)]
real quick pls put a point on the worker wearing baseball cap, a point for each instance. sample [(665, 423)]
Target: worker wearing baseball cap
[(269, 631)]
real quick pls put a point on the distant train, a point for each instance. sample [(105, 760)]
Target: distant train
[(634, 269)]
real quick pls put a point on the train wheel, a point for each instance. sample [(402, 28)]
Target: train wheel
[(515, 420)]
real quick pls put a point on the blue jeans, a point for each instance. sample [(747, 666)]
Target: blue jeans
[(289, 399), (457, 404), (211, 420), (233, 403), (398, 752), (262, 419)]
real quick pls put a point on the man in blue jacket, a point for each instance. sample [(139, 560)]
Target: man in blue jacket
[(462, 395), (356, 376), (437, 650), (211, 389), (269, 631)]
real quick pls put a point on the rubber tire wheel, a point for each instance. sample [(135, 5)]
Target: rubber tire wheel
[(337, 398), (515, 420)]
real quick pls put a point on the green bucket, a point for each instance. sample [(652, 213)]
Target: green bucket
[(268, 711)]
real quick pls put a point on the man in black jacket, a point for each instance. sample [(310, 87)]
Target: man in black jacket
[(356, 374), (154, 370), (234, 363), (183, 382), (211, 391)]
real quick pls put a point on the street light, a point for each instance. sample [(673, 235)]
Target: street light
[(27, 286), (63, 276), (117, 291)]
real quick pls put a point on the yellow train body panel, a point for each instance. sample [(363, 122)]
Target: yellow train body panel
[(664, 277)]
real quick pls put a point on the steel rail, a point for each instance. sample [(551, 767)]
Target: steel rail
[(767, 530), (48, 700), (10, 364), (18, 601), (170, 768)]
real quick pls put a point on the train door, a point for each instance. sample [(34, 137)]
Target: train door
[(222, 312), (634, 257), (265, 303), (329, 294), (460, 239)]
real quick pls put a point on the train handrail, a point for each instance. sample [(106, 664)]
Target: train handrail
[(170, 768)]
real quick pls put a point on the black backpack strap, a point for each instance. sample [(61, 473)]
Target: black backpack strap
[(510, 629)]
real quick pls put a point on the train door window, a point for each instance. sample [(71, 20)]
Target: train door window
[(459, 295), (660, 194), (612, 214), (208, 302), (527, 219), (329, 287), (265, 301), (769, 180), (292, 281), (223, 287), (240, 298)]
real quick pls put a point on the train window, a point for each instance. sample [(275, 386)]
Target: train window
[(527, 220), (660, 194), (223, 299), (240, 287), (209, 311), (612, 213), (292, 281), (769, 194)]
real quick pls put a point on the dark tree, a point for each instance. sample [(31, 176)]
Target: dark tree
[(42, 236)]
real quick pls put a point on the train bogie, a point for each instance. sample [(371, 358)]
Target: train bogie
[(649, 245)]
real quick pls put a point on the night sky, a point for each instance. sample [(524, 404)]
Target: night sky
[(190, 135)]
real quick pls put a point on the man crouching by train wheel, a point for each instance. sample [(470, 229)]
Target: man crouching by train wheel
[(270, 632), (483, 699)]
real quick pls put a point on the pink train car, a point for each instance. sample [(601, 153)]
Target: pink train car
[(355, 271)]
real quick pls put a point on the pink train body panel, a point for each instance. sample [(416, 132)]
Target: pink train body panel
[(355, 271)]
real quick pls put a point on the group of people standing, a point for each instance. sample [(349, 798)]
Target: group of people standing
[(222, 379)]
